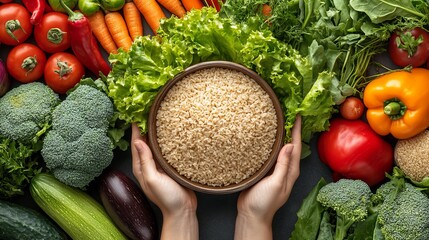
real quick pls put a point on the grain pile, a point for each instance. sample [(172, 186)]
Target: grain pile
[(216, 126), (412, 156)]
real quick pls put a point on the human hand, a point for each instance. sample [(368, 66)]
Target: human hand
[(177, 204), (257, 205)]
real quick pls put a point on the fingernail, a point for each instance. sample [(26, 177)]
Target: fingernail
[(139, 146), (288, 149)]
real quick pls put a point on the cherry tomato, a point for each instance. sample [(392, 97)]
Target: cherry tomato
[(15, 26), (352, 108), (409, 48), (26, 62), (63, 71), (51, 33)]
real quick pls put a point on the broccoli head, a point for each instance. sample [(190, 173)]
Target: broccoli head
[(403, 213), (77, 148), (25, 111), (349, 199)]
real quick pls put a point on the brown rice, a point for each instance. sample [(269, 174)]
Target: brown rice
[(216, 126)]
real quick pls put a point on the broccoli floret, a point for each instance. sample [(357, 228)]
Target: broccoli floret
[(350, 199), (77, 148), (403, 214), (25, 111)]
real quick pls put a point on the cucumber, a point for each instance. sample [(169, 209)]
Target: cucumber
[(21, 223), (77, 213)]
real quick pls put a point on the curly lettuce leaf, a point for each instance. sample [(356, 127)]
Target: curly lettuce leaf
[(17, 166)]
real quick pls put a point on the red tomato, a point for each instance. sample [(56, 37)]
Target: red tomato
[(15, 26), (63, 71), (409, 48), (51, 33), (353, 150), (26, 62), (352, 108)]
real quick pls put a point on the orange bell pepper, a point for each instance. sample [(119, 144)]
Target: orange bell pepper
[(398, 103)]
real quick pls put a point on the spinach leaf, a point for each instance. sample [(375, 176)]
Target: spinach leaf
[(365, 230), (384, 10), (309, 215)]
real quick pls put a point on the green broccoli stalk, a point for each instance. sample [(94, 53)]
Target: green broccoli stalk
[(402, 211), (77, 148), (349, 199)]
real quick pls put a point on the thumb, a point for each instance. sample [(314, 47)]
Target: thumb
[(144, 158), (282, 165)]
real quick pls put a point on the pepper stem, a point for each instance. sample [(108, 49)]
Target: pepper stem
[(73, 16), (394, 108)]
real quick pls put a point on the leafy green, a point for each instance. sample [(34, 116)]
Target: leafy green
[(339, 36), (17, 166), (202, 35), (309, 215), (383, 10)]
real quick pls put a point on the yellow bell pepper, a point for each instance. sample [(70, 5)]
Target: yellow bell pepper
[(398, 103)]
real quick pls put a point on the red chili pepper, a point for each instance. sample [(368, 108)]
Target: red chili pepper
[(37, 8), (84, 44), (353, 150), (5, 1)]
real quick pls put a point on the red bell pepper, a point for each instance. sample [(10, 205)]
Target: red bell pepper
[(37, 8), (353, 150), (84, 44), (214, 3)]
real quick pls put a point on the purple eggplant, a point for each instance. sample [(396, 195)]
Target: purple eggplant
[(127, 205), (4, 80)]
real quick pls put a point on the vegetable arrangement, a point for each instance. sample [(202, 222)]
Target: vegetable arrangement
[(315, 54), (348, 209)]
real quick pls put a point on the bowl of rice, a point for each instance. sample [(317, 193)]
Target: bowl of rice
[(216, 128)]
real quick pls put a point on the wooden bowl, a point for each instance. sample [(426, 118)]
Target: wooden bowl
[(235, 187)]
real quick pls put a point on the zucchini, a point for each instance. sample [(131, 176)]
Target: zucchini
[(77, 213), (21, 223)]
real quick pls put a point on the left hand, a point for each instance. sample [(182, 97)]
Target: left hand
[(168, 195)]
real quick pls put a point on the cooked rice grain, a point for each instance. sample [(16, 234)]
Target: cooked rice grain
[(216, 126)]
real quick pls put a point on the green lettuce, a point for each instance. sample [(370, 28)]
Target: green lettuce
[(18, 165), (202, 35)]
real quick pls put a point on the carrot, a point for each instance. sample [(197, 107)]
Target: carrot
[(101, 32), (266, 10), (192, 4), (118, 29), (174, 6), (151, 11), (133, 19)]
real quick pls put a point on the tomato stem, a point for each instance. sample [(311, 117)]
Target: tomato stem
[(64, 68), (394, 108), (29, 64), (55, 35), (11, 26)]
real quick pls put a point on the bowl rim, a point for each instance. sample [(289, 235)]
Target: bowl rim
[(186, 182)]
